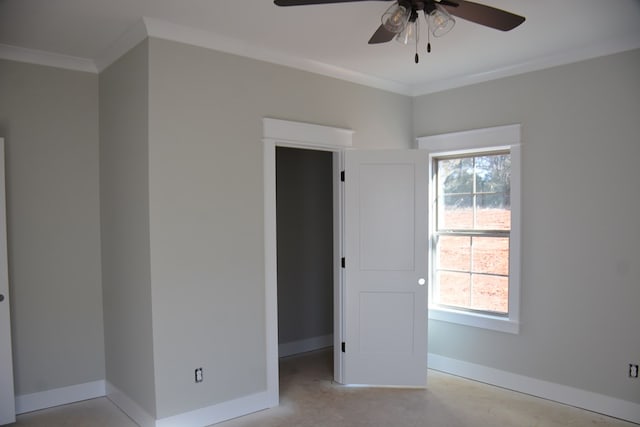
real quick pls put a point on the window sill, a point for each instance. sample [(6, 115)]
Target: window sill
[(478, 320)]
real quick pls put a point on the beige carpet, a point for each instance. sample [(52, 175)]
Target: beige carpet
[(309, 398)]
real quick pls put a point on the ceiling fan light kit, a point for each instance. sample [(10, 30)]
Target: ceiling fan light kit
[(410, 34), (441, 22), (400, 20), (396, 17)]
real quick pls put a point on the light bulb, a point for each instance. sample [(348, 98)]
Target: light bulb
[(438, 20), (395, 18)]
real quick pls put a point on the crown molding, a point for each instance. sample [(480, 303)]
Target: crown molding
[(607, 47), (123, 44), (151, 27), (49, 59), (201, 38)]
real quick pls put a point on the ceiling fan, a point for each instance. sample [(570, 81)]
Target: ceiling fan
[(400, 21)]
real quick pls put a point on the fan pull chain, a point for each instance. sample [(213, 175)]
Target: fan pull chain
[(417, 58), (428, 37)]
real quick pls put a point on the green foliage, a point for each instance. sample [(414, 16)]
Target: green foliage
[(487, 177)]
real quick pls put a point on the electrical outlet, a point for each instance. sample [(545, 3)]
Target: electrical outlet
[(633, 370), (199, 377)]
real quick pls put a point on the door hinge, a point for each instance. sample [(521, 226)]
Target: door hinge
[(342, 176), (343, 348), (343, 261)]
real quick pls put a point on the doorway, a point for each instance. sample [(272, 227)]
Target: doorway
[(304, 223), (380, 195), (282, 133)]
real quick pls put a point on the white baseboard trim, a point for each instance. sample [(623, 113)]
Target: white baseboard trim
[(590, 401), (301, 346), (197, 418), (129, 407), (218, 413), (59, 396)]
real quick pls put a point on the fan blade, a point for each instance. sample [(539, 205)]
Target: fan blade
[(310, 2), (382, 35), (485, 15)]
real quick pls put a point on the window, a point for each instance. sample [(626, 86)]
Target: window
[(471, 232), (474, 231)]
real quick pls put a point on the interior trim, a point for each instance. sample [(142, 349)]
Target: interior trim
[(298, 135), (302, 346), (217, 413), (59, 396), (123, 44), (195, 37), (605, 47), (151, 27), (129, 406), (590, 401), (40, 57)]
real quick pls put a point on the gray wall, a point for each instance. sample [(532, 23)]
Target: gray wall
[(580, 232), (206, 206), (124, 209), (181, 215), (49, 118), (304, 210)]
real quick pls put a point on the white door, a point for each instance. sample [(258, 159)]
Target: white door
[(7, 398), (385, 247)]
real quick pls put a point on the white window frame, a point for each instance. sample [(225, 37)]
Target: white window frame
[(473, 142)]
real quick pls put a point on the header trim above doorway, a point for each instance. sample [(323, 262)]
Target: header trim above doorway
[(308, 135)]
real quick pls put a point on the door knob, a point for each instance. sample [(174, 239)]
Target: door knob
[(1, 297), (421, 281)]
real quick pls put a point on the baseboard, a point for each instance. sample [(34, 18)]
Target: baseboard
[(218, 413), (301, 346), (197, 418), (59, 396), (590, 401), (129, 407)]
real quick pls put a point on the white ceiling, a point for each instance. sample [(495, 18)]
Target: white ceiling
[(329, 39)]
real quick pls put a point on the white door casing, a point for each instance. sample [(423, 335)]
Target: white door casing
[(283, 133), (386, 257), (397, 364), (7, 397)]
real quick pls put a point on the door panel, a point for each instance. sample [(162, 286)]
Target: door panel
[(386, 224), (387, 324), (7, 398), (385, 251)]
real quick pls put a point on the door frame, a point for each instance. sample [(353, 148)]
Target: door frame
[(283, 133), (7, 393)]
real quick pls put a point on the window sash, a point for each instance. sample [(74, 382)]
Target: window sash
[(494, 139), (472, 232), (475, 194), (471, 271)]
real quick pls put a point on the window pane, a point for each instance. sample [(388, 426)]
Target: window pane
[(490, 293), (493, 173), (454, 253), (455, 176), (473, 198), (454, 289), (493, 201), (456, 213), (493, 212), (491, 255)]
